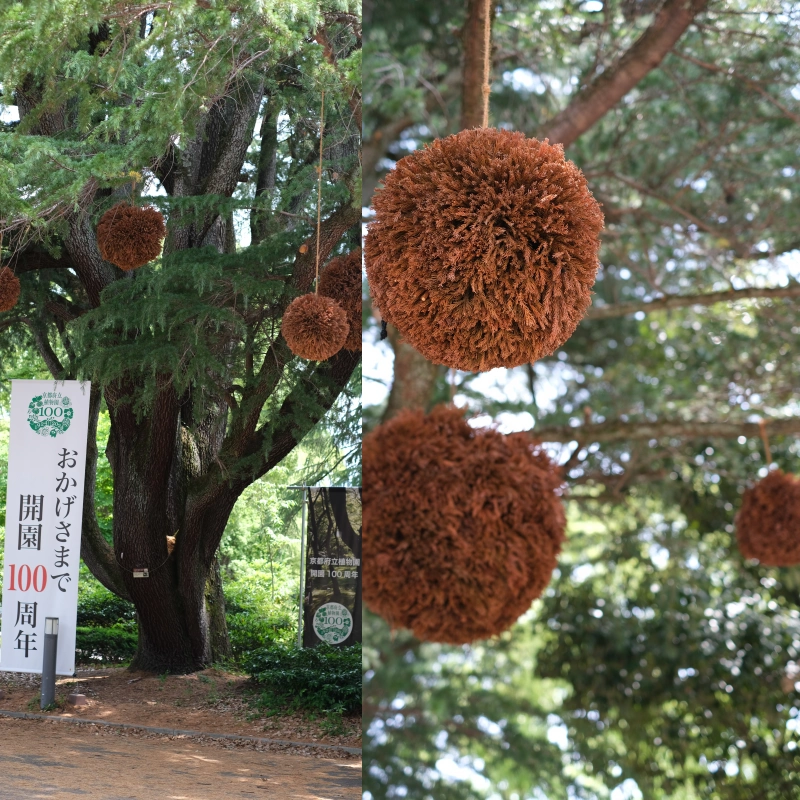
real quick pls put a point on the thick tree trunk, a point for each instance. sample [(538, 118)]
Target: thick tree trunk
[(180, 604), (215, 607), (142, 458)]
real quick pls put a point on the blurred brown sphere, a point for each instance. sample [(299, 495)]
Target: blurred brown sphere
[(483, 250), (768, 523), (315, 327), (462, 527), (130, 237)]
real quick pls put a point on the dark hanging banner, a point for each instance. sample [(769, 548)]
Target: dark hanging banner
[(332, 599)]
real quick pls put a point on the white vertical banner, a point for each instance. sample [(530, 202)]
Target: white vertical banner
[(44, 508)]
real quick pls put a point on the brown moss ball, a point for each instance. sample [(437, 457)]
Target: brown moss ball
[(130, 237), (462, 527), (315, 327), (768, 523), (9, 289), (483, 250), (341, 280)]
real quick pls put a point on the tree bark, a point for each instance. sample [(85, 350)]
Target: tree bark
[(215, 606), (266, 172)]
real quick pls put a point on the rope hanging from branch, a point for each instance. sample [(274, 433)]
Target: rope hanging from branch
[(488, 10), (319, 182), (314, 326), (465, 285)]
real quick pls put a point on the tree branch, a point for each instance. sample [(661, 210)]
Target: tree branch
[(244, 419), (337, 370), (266, 172), (374, 149), (81, 245), (238, 136), (96, 552), (685, 300), (33, 260), (414, 378), (618, 431), (354, 99), (54, 366), (608, 88)]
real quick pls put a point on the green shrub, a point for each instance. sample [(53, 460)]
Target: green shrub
[(250, 631), (321, 678), (256, 617), (98, 606), (110, 644)]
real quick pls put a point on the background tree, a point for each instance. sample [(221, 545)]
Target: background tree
[(214, 110), (657, 659)]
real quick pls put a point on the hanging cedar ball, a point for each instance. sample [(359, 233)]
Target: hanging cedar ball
[(768, 523), (129, 236), (483, 250), (341, 280), (9, 289), (315, 327), (462, 527)]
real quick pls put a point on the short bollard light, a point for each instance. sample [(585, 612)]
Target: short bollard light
[(49, 652)]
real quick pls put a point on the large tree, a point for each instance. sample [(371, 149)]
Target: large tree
[(211, 110), (658, 655)]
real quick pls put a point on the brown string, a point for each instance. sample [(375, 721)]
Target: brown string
[(452, 386), (319, 181), (487, 59), (763, 428)]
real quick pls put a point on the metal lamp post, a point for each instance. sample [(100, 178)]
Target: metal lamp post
[(49, 652)]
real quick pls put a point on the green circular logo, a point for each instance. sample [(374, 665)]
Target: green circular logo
[(50, 413), (333, 623)]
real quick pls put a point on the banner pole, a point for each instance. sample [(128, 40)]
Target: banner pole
[(302, 572)]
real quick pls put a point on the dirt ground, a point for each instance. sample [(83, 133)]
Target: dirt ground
[(212, 701), (50, 759), (54, 759)]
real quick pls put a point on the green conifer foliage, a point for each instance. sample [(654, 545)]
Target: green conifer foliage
[(210, 112)]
